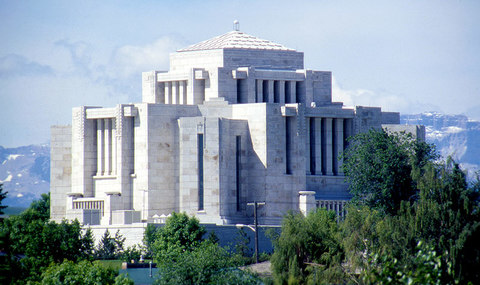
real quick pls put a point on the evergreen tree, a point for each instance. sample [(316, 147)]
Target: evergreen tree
[(110, 247), (3, 195)]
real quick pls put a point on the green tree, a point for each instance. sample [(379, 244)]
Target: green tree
[(82, 273), (41, 242), (110, 247), (3, 195), (445, 218), (42, 206), (379, 168), (206, 263), (149, 239), (181, 233), (308, 249), (448, 216)]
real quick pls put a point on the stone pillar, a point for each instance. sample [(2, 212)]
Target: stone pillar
[(318, 145), (281, 91), (100, 147), (270, 91), (176, 92), (306, 201), (114, 147), (259, 91), (339, 147), (108, 145), (168, 92), (183, 92), (329, 146)]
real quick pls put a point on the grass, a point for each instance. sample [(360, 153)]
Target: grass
[(115, 264)]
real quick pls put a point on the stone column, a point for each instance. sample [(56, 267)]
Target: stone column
[(108, 145), (114, 147), (306, 201), (183, 92), (318, 145), (168, 92), (270, 91), (100, 147), (281, 91), (339, 141), (259, 91), (329, 146), (176, 92)]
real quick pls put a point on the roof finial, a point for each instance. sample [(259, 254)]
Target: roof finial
[(236, 25)]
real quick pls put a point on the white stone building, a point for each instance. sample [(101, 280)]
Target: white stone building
[(236, 119)]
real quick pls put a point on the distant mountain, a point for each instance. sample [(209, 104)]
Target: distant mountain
[(454, 135), (25, 173)]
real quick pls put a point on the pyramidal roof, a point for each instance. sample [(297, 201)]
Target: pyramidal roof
[(236, 40)]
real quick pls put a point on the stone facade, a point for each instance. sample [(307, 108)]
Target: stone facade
[(236, 119)]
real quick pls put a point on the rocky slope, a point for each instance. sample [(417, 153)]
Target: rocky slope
[(25, 173), (454, 135)]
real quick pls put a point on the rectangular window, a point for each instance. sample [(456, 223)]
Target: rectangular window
[(288, 145), (288, 95), (200, 170), (312, 146), (238, 156), (324, 146)]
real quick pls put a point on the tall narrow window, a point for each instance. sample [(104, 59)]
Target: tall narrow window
[(238, 156), (288, 93), (239, 91), (200, 170), (312, 146), (288, 145), (324, 146), (335, 139)]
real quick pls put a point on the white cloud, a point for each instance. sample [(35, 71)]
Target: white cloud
[(384, 99), (16, 65), (132, 60)]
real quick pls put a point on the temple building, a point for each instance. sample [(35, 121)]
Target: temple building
[(236, 119)]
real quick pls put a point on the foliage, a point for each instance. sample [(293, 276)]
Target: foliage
[(243, 254), (379, 168), (181, 233), (149, 239), (445, 217), (31, 242), (206, 263), (308, 248), (448, 215), (42, 206), (3, 195), (83, 272), (425, 268), (132, 253), (110, 247)]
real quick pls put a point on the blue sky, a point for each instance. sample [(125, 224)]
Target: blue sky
[(406, 56)]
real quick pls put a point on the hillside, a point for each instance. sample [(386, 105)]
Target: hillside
[(25, 173), (454, 135)]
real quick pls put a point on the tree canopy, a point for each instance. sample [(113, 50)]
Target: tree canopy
[(382, 168)]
